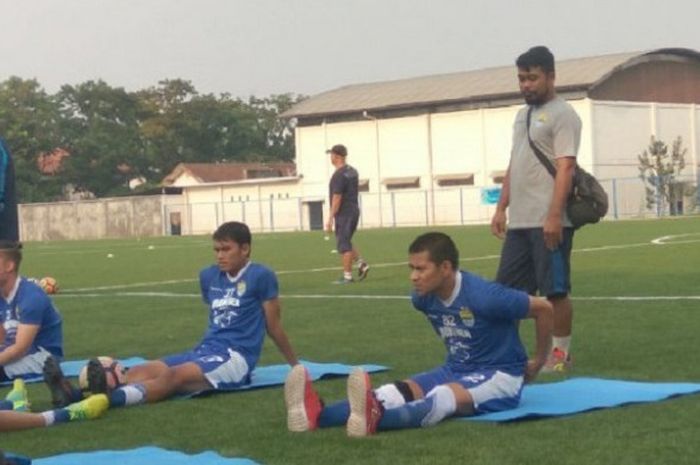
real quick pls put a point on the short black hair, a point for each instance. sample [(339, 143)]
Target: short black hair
[(12, 251), (233, 231), (536, 56), (439, 246)]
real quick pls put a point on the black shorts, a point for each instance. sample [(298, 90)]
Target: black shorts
[(345, 227), (527, 264)]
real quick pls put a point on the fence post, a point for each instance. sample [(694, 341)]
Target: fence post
[(272, 215), (461, 205), (614, 198), (393, 209), (300, 208), (427, 213)]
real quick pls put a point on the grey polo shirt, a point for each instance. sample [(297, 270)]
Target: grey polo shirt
[(555, 129)]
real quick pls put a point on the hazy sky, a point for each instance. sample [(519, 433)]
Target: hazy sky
[(261, 47)]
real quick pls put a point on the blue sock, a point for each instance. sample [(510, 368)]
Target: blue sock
[(334, 415), (6, 405), (130, 394), (407, 416), (61, 415)]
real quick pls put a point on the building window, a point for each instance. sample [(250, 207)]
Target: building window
[(406, 182), (458, 179), (498, 176), (363, 185)]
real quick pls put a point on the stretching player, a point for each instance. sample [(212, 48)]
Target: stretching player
[(31, 328), (14, 414), (486, 362), (242, 297)]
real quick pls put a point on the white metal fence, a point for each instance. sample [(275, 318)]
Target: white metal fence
[(168, 215)]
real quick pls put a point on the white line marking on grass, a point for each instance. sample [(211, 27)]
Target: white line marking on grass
[(369, 296), (127, 286), (658, 241), (666, 240)]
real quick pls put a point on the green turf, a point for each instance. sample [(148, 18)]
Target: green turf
[(639, 340)]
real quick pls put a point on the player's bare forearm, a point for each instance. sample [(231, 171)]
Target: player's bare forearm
[(562, 185), (273, 320), (542, 312), (498, 221), (279, 337)]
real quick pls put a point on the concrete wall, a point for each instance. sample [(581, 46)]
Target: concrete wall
[(92, 219)]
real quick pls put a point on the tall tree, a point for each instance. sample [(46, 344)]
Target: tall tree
[(659, 169), (279, 132), (30, 123), (101, 129)]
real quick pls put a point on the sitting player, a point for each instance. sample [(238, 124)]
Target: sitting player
[(486, 361), (243, 303), (32, 329), (14, 414)]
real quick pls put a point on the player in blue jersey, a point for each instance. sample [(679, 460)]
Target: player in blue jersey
[(486, 363), (243, 302), (31, 328)]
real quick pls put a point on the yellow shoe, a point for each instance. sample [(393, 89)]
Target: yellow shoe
[(88, 409), (18, 396)]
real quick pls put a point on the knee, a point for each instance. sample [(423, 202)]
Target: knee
[(395, 394), (444, 405)]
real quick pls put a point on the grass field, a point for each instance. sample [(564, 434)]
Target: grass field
[(637, 316)]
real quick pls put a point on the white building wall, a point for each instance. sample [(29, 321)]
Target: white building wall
[(474, 141)]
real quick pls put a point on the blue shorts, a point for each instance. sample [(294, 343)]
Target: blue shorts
[(224, 368), (491, 390), (527, 264)]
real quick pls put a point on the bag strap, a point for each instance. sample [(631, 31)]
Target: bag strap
[(540, 156)]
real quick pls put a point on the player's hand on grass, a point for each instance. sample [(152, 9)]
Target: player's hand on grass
[(533, 367)]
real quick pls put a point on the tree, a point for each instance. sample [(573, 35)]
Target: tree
[(30, 123), (658, 169), (279, 132), (100, 125)]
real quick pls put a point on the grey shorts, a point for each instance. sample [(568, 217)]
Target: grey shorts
[(345, 227), (527, 264)]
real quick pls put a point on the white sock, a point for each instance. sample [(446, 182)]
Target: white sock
[(347, 275), (49, 417), (562, 343)]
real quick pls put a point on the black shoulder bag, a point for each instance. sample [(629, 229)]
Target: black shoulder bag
[(588, 201)]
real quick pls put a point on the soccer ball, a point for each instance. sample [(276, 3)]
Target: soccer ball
[(49, 285), (114, 372)]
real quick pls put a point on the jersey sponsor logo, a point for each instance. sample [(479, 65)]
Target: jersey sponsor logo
[(228, 300), (240, 288), (447, 331)]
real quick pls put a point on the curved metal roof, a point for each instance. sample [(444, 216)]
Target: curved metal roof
[(484, 84)]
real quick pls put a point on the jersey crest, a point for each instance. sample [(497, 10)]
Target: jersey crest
[(467, 317), (241, 288)]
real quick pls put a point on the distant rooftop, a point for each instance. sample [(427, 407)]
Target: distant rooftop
[(579, 74), (221, 172)]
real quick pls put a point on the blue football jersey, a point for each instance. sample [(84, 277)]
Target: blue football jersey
[(30, 305), (480, 326), (236, 315)]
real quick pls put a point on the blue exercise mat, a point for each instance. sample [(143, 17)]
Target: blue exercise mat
[(273, 375), (578, 395), (140, 456)]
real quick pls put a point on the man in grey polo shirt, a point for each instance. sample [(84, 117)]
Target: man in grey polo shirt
[(345, 213), (537, 248)]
